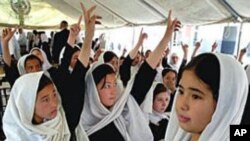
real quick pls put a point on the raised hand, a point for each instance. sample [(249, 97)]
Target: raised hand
[(198, 44), (172, 25), (142, 37), (89, 20), (74, 32), (7, 34), (184, 47), (214, 46)]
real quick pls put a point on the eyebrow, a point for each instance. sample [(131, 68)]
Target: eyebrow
[(193, 89), (44, 97)]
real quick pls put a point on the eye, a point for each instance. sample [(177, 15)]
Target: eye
[(194, 96), (180, 92), (45, 100), (107, 86)]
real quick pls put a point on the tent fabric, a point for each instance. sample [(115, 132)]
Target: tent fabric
[(116, 13)]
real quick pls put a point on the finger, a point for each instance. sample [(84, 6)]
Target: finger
[(169, 17), (79, 20), (98, 17), (98, 22), (91, 10), (141, 31), (84, 12)]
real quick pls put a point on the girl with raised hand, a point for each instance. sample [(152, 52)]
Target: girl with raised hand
[(108, 114), (208, 101)]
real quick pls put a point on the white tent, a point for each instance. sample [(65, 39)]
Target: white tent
[(115, 13)]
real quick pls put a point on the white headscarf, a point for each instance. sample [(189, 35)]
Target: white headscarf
[(126, 114), (46, 64), (17, 119), (233, 91), (21, 64), (147, 106), (171, 63)]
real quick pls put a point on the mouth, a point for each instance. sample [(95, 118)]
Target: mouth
[(54, 112), (183, 119)]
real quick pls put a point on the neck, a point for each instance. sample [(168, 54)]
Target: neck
[(195, 137)]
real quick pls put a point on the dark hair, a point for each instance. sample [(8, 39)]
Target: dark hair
[(32, 57), (101, 72), (44, 81), (207, 68), (122, 58), (167, 70), (108, 56), (63, 24), (158, 89)]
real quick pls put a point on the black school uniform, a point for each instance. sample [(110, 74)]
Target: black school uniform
[(139, 90)]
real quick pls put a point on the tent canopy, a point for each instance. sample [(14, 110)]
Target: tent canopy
[(116, 13)]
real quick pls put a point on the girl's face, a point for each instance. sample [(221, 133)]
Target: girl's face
[(195, 104), (32, 65), (169, 80), (161, 102), (38, 54), (107, 90), (74, 59), (114, 63), (46, 104)]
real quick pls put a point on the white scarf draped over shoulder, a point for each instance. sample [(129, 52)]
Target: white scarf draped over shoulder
[(125, 113), (233, 91), (17, 119)]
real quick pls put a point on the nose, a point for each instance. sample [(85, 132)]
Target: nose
[(54, 102), (183, 102), (113, 90)]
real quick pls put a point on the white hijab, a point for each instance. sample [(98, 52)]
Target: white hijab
[(147, 106), (171, 63), (17, 119), (233, 93), (126, 114), (46, 64), (21, 64)]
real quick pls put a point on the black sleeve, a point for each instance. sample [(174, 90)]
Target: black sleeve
[(65, 62), (143, 82), (164, 63), (11, 72), (74, 99), (125, 70)]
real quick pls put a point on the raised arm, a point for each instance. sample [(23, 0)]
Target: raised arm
[(139, 43), (214, 46), (89, 33), (185, 51), (141, 83), (196, 48), (125, 72), (156, 55), (6, 36)]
